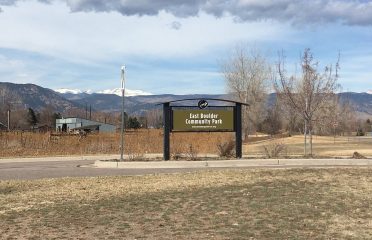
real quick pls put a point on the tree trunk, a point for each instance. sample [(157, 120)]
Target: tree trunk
[(305, 137), (311, 140)]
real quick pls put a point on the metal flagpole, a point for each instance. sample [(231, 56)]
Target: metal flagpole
[(122, 113)]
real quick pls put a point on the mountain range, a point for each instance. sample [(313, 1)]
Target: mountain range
[(33, 96), (136, 102), (116, 91), (36, 97)]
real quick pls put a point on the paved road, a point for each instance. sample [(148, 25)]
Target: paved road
[(57, 169), (71, 168)]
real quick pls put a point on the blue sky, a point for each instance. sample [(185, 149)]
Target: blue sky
[(175, 46)]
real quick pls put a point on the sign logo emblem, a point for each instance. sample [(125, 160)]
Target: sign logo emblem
[(202, 104)]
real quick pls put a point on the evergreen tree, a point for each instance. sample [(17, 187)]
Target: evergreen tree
[(31, 117), (133, 123)]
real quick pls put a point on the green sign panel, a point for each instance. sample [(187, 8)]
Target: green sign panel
[(203, 120)]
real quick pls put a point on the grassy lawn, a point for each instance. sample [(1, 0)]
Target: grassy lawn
[(224, 204)]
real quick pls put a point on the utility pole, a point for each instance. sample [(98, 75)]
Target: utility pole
[(8, 119), (8, 116), (122, 113)]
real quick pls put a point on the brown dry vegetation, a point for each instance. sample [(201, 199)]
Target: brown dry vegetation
[(324, 146), (138, 143), (228, 204)]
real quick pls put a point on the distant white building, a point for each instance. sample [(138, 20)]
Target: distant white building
[(75, 124)]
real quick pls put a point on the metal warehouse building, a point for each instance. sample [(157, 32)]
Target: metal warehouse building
[(73, 124)]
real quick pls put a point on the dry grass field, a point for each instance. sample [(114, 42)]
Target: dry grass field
[(227, 204), (323, 146), (137, 143)]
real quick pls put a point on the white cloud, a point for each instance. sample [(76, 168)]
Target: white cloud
[(81, 42), (175, 25), (87, 37), (356, 12), (17, 71)]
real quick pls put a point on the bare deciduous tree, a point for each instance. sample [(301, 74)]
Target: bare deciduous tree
[(347, 122), (327, 118), (308, 93), (154, 118), (290, 119), (46, 115), (272, 122), (247, 74), (336, 118)]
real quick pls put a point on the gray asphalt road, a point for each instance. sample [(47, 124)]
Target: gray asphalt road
[(57, 169)]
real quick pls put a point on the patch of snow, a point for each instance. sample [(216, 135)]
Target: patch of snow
[(128, 92), (66, 90), (116, 91)]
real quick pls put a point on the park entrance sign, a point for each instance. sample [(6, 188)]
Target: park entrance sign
[(219, 120), (203, 118)]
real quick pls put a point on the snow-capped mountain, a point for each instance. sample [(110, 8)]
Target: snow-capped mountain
[(128, 92), (38, 98), (72, 91), (369, 91), (116, 91)]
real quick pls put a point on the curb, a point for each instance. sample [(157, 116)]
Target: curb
[(234, 163)]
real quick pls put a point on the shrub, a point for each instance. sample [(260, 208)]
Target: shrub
[(274, 150), (192, 153), (360, 132), (226, 149), (176, 150), (357, 155)]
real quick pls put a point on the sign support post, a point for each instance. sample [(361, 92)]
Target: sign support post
[(238, 130), (167, 123)]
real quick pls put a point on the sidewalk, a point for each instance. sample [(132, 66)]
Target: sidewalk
[(108, 161), (59, 158), (85, 157)]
